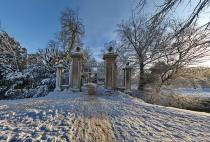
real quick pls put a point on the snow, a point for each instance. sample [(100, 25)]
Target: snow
[(115, 117), (199, 92)]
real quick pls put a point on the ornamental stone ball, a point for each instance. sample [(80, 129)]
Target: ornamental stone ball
[(110, 49), (78, 49)]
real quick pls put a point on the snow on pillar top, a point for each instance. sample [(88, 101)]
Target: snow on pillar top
[(127, 66), (110, 55), (77, 54)]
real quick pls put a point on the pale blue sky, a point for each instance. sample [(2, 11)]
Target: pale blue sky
[(34, 22)]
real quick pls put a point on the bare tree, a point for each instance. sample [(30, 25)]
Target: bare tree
[(70, 36), (88, 53), (54, 47), (187, 48), (72, 29), (144, 40), (170, 5), (50, 55)]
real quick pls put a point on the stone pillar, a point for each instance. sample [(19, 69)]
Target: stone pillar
[(89, 77), (59, 68), (70, 70), (76, 70), (127, 77), (110, 69)]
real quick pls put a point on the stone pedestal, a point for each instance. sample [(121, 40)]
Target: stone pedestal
[(89, 77), (59, 68), (110, 70), (127, 77), (76, 70), (92, 89)]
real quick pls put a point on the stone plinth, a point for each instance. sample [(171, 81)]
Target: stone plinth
[(127, 77), (110, 70), (59, 68), (91, 89), (89, 77), (76, 70)]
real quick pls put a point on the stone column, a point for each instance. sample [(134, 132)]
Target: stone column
[(110, 69), (76, 70), (127, 77), (89, 77), (70, 70), (59, 68)]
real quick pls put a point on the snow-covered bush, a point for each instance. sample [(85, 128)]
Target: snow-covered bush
[(35, 81), (17, 80)]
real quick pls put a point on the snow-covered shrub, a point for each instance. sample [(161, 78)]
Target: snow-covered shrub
[(35, 81), (41, 91), (40, 80), (13, 93), (17, 80)]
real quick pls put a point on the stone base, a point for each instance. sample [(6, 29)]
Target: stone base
[(64, 87), (122, 89), (128, 92), (91, 89), (57, 90), (74, 90), (108, 92)]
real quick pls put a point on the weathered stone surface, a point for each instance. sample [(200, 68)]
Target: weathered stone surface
[(110, 70), (76, 70), (59, 68), (91, 89), (127, 78)]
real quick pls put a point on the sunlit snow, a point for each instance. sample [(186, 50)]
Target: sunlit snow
[(201, 92), (113, 117)]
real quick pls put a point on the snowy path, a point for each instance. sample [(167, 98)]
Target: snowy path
[(79, 117)]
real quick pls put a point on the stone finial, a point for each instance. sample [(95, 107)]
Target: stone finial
[(78, 49), (110, 49), (92, 89)]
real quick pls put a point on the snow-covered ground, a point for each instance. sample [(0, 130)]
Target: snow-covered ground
[(102, 118), (200, 92)]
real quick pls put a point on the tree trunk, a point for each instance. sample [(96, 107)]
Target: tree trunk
[(72, 42), (141, 77)]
